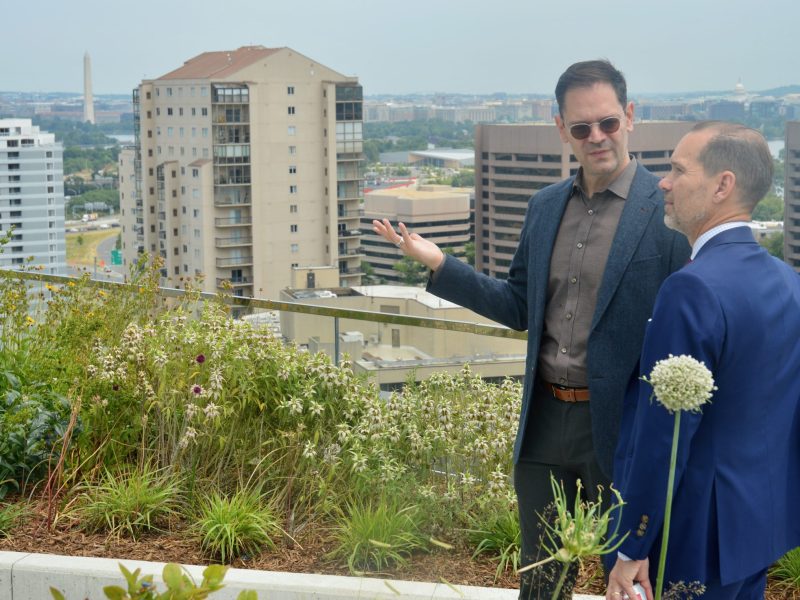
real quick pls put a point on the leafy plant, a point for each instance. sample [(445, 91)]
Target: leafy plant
[(241, 523), (32, 418), (787, 570), (371, 537), (180, 586), (129, 502), (10, 515), (498, 535)]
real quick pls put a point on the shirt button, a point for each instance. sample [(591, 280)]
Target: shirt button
[(580, 244), (563, 351), (562, 380), (569, 316), (591, 212), (573, 280)]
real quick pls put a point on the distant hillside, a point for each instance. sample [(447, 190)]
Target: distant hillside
[(777, 92), (781, 91)]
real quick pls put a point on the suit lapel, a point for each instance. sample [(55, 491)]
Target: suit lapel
[(636, 215)]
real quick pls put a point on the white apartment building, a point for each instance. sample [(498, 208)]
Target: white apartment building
[(247, 164), (31, 197)]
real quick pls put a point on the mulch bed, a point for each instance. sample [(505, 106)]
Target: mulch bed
[(456, 566)]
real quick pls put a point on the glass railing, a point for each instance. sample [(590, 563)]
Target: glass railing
[(339, 320)]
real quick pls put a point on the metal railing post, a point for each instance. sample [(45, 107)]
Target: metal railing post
[(336, 341)]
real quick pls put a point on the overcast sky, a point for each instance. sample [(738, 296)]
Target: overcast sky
[(405, 46)]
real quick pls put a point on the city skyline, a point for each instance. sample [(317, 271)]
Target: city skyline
[(467, 47)]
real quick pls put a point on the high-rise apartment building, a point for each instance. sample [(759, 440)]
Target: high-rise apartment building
[(791, 196), (247, 163), (513, 162), (31, 197)]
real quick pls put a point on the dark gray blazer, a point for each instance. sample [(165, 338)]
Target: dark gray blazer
[(642, 254)]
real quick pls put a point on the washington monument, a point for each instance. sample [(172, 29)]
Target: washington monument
[(88, 98)]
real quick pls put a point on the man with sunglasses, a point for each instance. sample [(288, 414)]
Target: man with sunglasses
[(592, 254)]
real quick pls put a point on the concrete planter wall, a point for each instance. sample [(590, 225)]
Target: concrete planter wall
[(26, 576)]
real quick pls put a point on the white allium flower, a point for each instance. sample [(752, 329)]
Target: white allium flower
[(681, 383)]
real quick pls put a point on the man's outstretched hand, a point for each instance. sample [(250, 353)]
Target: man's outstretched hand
[(412, 244)]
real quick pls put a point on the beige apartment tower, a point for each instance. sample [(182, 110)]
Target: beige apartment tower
[(513, 162), (247, 164), (791, 196)]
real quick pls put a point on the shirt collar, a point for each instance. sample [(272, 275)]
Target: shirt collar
[(621, 186), (705, 237)]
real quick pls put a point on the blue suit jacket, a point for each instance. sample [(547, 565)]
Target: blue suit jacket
[(642, 254), (737, 486)]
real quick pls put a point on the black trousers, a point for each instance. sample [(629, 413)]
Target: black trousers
[(558, 440)]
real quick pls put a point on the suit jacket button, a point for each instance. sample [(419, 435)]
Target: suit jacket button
[(640, 533), (645, 518)]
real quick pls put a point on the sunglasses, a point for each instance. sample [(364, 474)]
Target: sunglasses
[(581, 131)]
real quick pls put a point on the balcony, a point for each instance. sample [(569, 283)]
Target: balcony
[(358, 251), (233, 221), (232, 180), (229, 201), (234, 281), (229, 242), (343, 233), (235, 261)]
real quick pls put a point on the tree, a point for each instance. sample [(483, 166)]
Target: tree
[(412, 272), (75, 133), (778, 173), (769, 209), (774, 244), (92, 159), (109, 197), (469, 253), (464, 178)]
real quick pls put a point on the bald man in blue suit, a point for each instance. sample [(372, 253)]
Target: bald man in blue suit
[(737, 309)]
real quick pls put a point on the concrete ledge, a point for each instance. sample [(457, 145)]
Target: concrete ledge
[(30, 576)]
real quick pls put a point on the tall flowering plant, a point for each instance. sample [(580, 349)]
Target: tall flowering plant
[(576, 534), (680, 383)]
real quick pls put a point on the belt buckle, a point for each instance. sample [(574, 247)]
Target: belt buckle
[(563, 393)]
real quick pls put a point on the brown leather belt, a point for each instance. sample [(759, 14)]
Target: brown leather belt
[(568, 394)]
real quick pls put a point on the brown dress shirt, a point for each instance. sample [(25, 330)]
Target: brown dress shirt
[(577, 264)]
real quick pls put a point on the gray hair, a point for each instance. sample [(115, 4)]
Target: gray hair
[(744, 152)]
